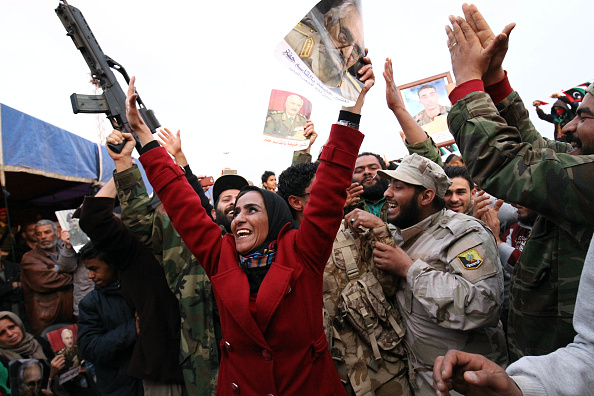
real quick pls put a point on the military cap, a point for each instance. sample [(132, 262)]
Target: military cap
[(590, 89), (420, 171), (227, 182)]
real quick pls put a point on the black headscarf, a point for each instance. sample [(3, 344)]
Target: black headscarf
[(278, 216)]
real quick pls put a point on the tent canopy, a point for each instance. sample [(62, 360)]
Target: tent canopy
[(47, 168)]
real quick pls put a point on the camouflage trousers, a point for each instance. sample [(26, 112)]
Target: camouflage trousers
[(198, 379)]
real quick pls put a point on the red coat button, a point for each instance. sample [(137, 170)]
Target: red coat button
[(234, 387), (228, 346), (267, 355)]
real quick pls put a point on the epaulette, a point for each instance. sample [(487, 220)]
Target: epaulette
[(309, 43)]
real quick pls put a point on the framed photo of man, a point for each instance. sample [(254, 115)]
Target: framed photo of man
[(325, 48), (286, 117), (427, 101)]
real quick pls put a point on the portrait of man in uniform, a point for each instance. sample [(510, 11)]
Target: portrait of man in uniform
[(287, 115), (427, 102), (429, 99), (329, 40)]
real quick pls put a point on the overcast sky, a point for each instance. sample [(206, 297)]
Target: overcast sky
[(208, 68)]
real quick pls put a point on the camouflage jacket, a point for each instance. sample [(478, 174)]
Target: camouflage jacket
[(508, 158), (452, 295), (352, 355), (186, 278), (427, 149)]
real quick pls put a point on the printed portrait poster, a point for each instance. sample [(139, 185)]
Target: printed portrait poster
[(63, 342), (325, 49), (427, 101), (77, 236), (27, 377), (285, 120)]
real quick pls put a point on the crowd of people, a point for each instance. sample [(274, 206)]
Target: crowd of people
[(350, 276)]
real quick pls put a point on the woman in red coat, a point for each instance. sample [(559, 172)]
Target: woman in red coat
[(267, 275)]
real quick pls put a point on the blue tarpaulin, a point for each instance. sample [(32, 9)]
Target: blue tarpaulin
[(43, 164)]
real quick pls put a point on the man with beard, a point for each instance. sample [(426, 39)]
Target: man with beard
[(451, 281), (200, 328), (48, 293), (509, 159), (224, 193), (372, 198)]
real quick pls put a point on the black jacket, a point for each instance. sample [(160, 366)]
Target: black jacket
[(144, 286), (106, 337)]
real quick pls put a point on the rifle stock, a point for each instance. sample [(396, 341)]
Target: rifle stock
[(113, 100)]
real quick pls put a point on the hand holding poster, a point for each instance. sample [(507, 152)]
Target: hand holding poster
[(326, 49), (76, 235)]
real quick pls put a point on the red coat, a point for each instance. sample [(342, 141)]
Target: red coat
[(284, 350)]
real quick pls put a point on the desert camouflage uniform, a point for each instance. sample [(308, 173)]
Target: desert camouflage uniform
[(186, 278), (451, 297), (361, 373), (508, 158)]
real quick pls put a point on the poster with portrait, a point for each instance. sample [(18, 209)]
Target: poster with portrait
[(63, 342), (77, 236), (286, 117), (27, 377), (427, 101), (325, 49)]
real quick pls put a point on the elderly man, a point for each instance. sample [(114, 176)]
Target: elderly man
[(48, 293), (508, 158), (330, 44), (451, 281), (288, 124)]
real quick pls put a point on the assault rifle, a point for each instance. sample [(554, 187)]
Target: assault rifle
[(113, 100)]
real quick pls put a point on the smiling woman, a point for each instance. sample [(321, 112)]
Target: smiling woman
[(267, 276)]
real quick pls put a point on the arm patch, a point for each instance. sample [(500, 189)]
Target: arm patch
[(468, 258)]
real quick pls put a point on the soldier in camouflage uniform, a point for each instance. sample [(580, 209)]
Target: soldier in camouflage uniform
[(451, 281), (508, 158), (361, 371), (199, 348)]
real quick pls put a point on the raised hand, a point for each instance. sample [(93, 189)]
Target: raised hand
[(353, 193), (470, 60), (368, 78), (134, 119), (393, 98), (171, 142)]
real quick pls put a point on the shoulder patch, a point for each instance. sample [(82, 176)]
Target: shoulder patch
[(307, 48), (470, 259)]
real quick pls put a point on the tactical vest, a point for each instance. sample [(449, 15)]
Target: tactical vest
[(356, 300)]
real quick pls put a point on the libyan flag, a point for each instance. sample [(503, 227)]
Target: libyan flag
[(576, 94)]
